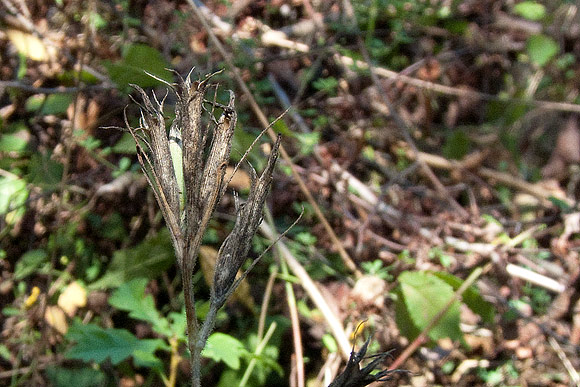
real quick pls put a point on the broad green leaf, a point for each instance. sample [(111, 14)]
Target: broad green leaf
[(94, 343), (530, 10), (52, 104), (29, 262), (43, 170), (542, 49), (78, 377), (471, 297), (13, 196), (222, 347), (13, 143), (131, 297), (138, 59), (146, 260), (424, 296)]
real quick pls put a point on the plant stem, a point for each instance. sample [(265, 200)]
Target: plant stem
[(192, 325)]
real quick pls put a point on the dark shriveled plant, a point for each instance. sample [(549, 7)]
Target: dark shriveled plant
[(186, 170)]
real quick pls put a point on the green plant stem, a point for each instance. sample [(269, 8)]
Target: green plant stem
[(257, 352)]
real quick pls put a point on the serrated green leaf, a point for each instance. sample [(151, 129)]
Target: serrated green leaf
[(222, 347), (94, 343), (530, 10), (424, 296), (131, 297), (542, 49), (471, 297)]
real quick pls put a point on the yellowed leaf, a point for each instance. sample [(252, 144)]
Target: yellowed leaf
[(241, 179), (29, 45), (55, 317), (207, 259), (72, 298)]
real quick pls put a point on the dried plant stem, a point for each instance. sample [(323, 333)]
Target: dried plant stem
[(315, 295)]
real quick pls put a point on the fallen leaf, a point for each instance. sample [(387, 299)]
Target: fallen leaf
[(72, 298), (55, 317), (29, 45)]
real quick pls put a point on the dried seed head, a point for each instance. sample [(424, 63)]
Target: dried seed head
[(234, 250), (153, 123)]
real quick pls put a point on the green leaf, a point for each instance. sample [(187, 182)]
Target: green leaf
[(13, 193), (43, 170), (131, 297), (542, 49), (52, 104), (138, 58), (78, 377), (307, 141), (222, 347), (29, 262), (94, 343), (13, 143), (125, 145), (147, 260), (471, 297), (457, 145), (530, 10), (424, 295)]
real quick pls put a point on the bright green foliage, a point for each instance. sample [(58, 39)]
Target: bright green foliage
[(421, 296), (138, 58), (222, 347), (530, 10), (471, 297), (131, 298), (94, 343), (12, 143), (52, 104), (542, 49), (377, 268), (13, 195)]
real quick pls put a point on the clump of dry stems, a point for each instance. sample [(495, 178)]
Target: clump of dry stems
[(186, 170)]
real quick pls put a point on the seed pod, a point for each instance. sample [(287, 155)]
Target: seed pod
[(234, 250)]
